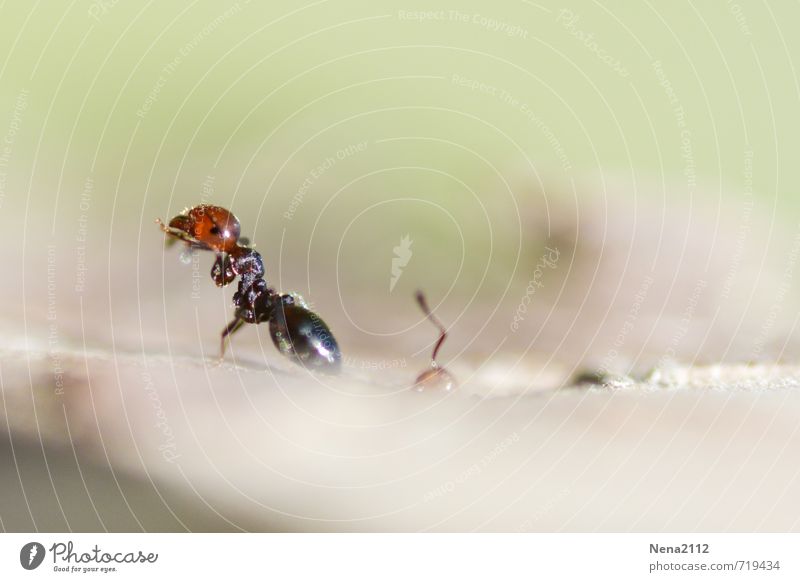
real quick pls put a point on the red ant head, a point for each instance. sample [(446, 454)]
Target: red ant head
[(209, 226)]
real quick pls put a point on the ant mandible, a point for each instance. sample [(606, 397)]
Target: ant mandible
[(435, 376), (297, 332)]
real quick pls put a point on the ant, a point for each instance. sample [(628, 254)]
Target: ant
[(297, 332), (435, 376)]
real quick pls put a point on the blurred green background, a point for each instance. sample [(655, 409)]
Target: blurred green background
[(335, 128)]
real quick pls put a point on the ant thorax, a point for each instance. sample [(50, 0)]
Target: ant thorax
[(254, 298)]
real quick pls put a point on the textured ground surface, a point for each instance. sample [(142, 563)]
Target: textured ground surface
[(173, 443), (116, 414)]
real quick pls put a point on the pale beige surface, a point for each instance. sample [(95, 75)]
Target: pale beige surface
[(256, 443), (278, 450)]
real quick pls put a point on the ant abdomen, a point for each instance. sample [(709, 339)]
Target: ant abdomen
[(302, 336)]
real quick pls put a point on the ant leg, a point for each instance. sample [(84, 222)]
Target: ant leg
[(229, 329)]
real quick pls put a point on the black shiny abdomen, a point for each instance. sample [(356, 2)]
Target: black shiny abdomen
[(301, 335)]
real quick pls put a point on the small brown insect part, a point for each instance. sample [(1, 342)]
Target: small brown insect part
[(436, 377)]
